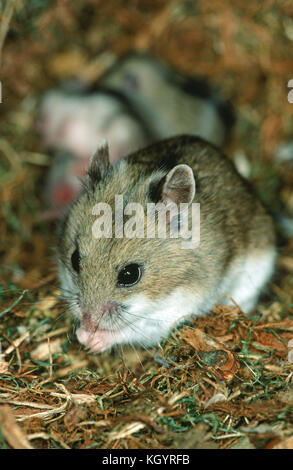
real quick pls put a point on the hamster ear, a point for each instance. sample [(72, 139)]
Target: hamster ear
[(99, 164), (178, 185)]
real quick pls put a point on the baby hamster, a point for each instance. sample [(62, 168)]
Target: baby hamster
[(78, 121), (63, 183), (72, 124), (171, 103), (135, 290)]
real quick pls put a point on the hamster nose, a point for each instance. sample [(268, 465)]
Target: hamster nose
[(87, 321), (91, 320), (108, 308)]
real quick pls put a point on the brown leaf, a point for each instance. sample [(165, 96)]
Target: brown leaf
[(212, 354), (44, 350), (11, 430), (4, 367), (285, 444), (269, 340)]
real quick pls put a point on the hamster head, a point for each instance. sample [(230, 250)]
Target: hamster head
[(121, 289)]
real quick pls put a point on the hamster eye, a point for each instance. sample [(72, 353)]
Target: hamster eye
[(75, 260), (131, 81), (129, 275)]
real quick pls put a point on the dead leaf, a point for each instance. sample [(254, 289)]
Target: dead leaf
[(45, 350), (212, 354), (48, 302), (285, 444), (66, 64), (3, 367), (11, 430), (269, 340), (215, 398)]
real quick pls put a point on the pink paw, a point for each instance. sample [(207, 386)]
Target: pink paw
[(97, 341)]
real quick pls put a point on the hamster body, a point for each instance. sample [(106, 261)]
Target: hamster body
[(171, 103), (135, 290)]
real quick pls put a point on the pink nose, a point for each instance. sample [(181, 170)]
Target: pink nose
[(90, 320), (107, 308), (87, 321)]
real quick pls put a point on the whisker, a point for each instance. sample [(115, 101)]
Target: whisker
[(127, 342), (135, 330), (140, 317)]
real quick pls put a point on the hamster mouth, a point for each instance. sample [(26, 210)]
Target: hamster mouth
[(97, 340), (97, 336)]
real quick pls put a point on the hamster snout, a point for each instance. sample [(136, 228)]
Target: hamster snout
[(99, 318), (97, 340), (97, 330)]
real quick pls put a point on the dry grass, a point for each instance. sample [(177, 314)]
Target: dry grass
[(221, 381)]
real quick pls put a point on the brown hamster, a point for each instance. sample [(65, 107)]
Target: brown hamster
[(135, 290)]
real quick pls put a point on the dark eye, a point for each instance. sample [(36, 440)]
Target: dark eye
[(75, 260), (131, 81), (129, 275)]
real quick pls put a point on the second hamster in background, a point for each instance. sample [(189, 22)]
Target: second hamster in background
[(171, 103), (139, 101)]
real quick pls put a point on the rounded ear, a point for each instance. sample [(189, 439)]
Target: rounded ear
[(178, 185), (99, 165)]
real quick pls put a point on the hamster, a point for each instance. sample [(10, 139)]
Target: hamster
[(63, 183), (139, 101), (125, 290), (171, 103), (78, 121)]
